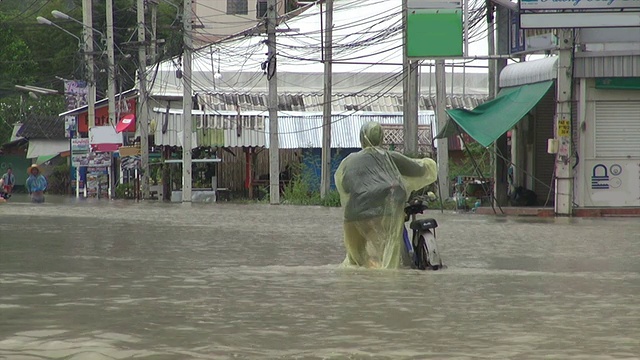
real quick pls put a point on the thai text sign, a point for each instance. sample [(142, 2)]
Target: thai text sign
[(92, 159), (80, 145), (578, 4)]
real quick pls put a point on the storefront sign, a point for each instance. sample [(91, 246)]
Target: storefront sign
[(516, 34), (75, 93), (123, 107), (92, 159), (612, 183), (80, 145), (578, 4), (69, 126), (130, 162), (564, 128), (529, 40)]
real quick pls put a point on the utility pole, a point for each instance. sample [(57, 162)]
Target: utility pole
[(491, 49), (325, 185), (411, 120), (441, 118), (153, 49), (111, 81), (409, 94), (143, 102), (274, 146), (564, 170), (186, 102), (87, 28), (501, 166)]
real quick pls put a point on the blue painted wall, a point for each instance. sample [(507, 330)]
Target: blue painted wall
[(312, 165)]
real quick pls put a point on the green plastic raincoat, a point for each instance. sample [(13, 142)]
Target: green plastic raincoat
[(374, 186)]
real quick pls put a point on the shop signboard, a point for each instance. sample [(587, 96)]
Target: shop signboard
[(92, 159), (578, 4), (80, 145)]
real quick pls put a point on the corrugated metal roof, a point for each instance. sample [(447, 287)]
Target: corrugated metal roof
[(123, 96), (211, 129), (42, 127), (296, 129), (607, 66), (311, 102), (305, 131), (529, 72)]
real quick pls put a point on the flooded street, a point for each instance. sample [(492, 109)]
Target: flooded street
[(115, 280)]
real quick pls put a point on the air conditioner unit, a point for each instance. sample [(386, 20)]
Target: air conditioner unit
[(261, 9)]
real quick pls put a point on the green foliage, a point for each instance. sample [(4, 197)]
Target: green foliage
[(125, 191), (34, 54), (16, 59), (300, 192), (59, 181), (450, 204), (477, 153)]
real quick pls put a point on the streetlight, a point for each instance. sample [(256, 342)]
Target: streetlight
[(110, 54), (44, 21), (60, 15)]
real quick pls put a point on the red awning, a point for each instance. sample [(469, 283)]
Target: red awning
[(125, 123), (105, 147)]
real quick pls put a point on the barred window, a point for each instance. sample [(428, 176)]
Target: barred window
[(237, 7)]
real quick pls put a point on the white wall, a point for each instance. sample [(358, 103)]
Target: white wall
[(621, 186)]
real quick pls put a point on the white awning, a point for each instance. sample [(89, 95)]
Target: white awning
[(46, 147), (529, 72)]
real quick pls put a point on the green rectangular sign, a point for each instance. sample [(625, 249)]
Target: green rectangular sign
[(630, 83), (434, 33)]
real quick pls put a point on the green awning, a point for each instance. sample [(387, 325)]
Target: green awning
[(487, 122), (43, 159)]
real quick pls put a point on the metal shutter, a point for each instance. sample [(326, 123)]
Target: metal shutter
[(544, 162), (617, 129)]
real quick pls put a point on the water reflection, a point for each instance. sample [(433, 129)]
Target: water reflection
[(115, 280)]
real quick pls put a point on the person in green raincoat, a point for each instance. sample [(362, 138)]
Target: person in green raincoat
[(374, 186)]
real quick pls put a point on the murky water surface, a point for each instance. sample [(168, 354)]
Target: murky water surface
[(116, 280)]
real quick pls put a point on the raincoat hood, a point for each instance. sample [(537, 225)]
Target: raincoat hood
[(371, 134)]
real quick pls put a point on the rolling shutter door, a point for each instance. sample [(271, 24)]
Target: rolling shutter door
[(617, 129), (544, 163)]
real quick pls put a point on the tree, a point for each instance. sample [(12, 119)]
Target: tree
[(15, 59)]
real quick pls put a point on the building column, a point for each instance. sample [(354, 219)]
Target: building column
[(562, 131)]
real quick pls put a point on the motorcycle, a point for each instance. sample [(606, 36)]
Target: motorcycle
[(422, 248)]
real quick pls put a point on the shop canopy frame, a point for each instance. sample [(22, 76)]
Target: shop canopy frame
[(490, 120)]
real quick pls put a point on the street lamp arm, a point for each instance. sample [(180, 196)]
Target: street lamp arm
[(60, 15), (44, 21)]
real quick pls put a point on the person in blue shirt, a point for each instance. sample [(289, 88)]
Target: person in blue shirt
[(36, 184)]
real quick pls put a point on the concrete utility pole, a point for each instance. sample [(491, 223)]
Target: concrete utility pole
[(441, 118), (564, 170), (325, 183), (409, 94), (87, 20), (274, 146), (491, 42), (143, 102), (111, 81), (153, 49), (501, 165), (186, 103)]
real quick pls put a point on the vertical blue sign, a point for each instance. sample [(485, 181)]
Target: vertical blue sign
[(516, 34)]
